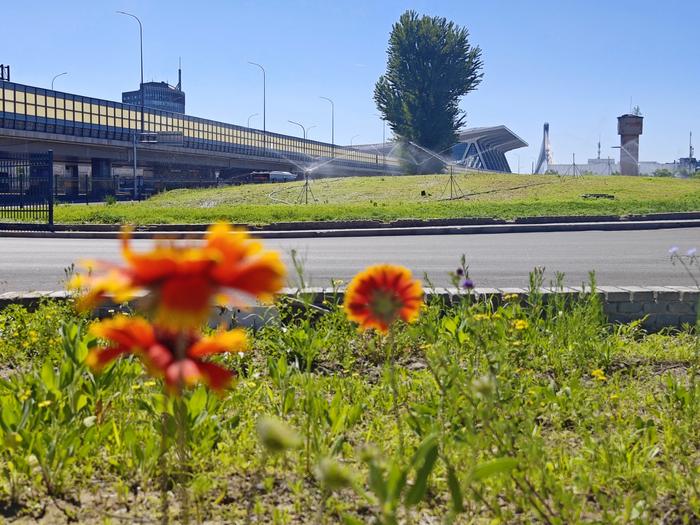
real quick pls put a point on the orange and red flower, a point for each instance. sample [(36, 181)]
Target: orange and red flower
[(184, 281), (381, 294), (176, 357)]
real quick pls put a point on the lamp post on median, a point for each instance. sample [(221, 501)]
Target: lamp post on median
[(264, 100), (143, 103), (352, 139), (56, 76), (251, 116), (332, 124)]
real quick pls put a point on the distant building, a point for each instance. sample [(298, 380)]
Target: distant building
[(610, 167), (158, 95), (477, 148), (485, 148)]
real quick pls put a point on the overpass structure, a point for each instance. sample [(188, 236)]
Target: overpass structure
[(100, 138)]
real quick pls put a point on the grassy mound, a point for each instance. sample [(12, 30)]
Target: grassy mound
[(390, 198)]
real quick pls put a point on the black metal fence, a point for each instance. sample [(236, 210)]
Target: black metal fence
[(26, 190)]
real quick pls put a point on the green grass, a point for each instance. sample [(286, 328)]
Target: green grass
[(390, 198), (519, 428)]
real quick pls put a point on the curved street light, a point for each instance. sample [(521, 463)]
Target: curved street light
[(251, 116), (136, 188), (141, 47), (264, 99), (55, 77), (303, 129), (332, 120), (352, 139), (309, 129)]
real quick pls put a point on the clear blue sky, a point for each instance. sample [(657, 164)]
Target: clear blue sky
[(573, 63)]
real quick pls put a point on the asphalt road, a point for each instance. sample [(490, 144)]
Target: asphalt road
[(618, 258)]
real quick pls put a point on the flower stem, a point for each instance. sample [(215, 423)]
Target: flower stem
[(390, 358), (163, 466)]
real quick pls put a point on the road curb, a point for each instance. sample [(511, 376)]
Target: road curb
[(615, 225), (656, 307)]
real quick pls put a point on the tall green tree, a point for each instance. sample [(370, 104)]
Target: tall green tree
[(430, 66)]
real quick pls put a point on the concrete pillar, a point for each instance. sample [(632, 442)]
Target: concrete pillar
[(71, 181), (629, 127), (102, 182)]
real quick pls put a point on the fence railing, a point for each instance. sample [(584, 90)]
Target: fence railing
[(26, 190)]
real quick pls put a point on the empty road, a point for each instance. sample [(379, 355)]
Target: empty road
[(618, 258)]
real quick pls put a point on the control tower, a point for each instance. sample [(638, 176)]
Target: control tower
[(629, 127)]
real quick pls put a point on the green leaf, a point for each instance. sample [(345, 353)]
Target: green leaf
[(417, 492), (376, 481), (81, 402), (493, 467), (351, 520), (455, 490), (48, 376), (197, 402)]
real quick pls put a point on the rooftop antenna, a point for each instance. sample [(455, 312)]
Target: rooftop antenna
[(179, 74)]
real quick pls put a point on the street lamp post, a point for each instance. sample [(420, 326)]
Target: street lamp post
[(332, 123), (55, 77), (264, 100), (383, 136), (136, 189), (303, 129), (352, 139), (251, 116), (309, 129)]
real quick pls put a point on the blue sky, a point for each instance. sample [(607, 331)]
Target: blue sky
[(572, 63)]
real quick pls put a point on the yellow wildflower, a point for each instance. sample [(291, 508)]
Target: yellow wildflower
[(44, 404), (520, 324), (481, 317), (598, 375)]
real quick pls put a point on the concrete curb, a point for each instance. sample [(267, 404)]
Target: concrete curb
[(618, 225), (656, 307)]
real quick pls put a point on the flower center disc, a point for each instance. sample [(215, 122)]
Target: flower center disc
[(385, 305)]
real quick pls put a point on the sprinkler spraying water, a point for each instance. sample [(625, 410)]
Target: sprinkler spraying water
[(303, 197), (455, 190)]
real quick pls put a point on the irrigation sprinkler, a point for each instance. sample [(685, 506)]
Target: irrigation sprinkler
[(455, 190), (305, 191)]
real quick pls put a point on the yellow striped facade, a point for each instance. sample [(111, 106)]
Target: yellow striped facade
[(62, 110)]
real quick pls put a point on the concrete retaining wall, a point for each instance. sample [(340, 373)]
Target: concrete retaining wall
[(658, 306)]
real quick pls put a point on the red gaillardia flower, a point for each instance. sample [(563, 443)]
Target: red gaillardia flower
[(381, 294), (175, 357), (184, 281)]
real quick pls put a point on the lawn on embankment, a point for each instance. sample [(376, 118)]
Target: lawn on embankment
[(401, 197)]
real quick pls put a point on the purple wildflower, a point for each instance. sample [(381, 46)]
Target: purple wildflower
[(673, 250), (468, 284), (692, 252)]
